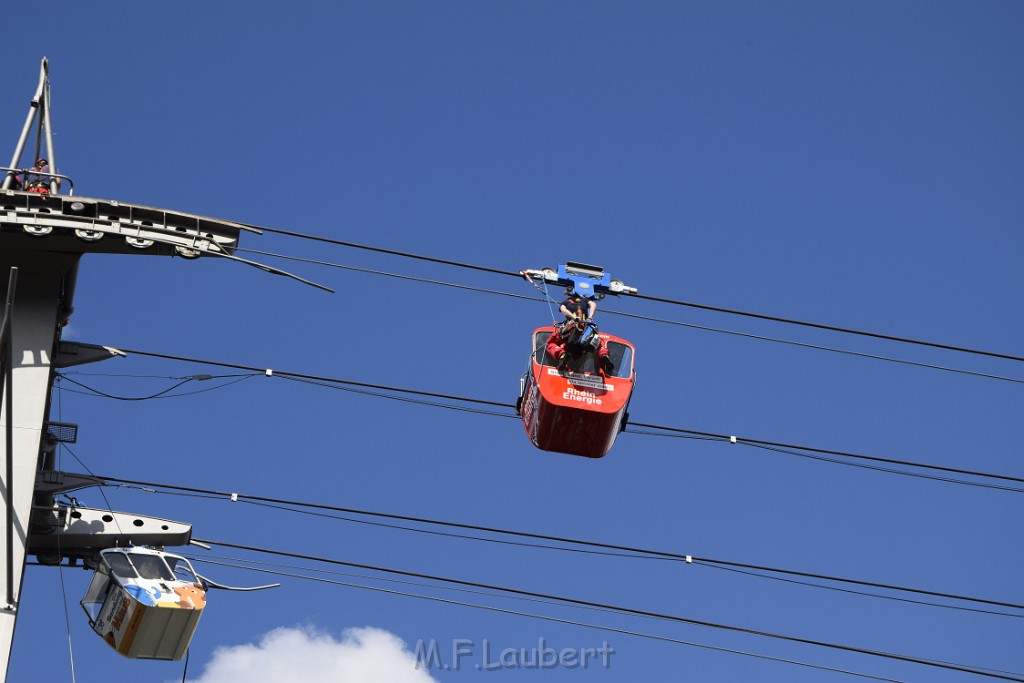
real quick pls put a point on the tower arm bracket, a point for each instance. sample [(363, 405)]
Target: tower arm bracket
[(82, 224), (66, 531), (51, 483), (71, 353)]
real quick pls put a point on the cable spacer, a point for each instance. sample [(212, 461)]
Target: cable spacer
[(732, 439), (234, 497), (269, 372), (689, 559)]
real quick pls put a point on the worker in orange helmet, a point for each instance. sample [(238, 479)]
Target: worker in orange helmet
[(36, 181)]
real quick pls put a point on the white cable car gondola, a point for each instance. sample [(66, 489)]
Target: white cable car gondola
[(145, 603)]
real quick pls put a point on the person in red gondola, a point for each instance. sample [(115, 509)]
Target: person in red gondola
[(37, 183), (569, 339), (576, 307)]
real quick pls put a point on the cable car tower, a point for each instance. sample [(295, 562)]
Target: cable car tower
[(44, 232)]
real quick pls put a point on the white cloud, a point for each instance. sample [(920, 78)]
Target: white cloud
[(362, 655)]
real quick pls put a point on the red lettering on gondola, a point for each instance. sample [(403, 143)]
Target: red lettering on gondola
[(121, 612)]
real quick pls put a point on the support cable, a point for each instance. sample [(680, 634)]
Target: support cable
[(382, 250), (67, 617), (7, 363), (638, 554), (831, 328), (609, 311), (60, 568), (166, 393), (103, 493), (543, 617), (642, 552), (274, 372), (760, 443), (853, 592), (820, 347), (719, 439), (634, 612), (675, 302)]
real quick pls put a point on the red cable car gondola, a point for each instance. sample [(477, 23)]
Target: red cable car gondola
[(577, 409)]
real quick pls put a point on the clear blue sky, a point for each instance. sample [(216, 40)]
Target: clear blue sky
[(852, 163)]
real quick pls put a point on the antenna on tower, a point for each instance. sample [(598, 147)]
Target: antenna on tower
[(82, 221), (39, 114)]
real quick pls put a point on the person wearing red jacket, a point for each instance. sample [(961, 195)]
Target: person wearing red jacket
[(567, 341)]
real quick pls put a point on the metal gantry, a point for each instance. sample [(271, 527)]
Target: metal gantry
[(44, 232)]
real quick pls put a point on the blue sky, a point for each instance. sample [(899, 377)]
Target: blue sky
[(851, 163)]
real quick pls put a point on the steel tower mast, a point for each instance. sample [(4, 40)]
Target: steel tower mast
[(44, 231)]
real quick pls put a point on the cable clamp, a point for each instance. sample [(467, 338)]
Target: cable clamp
[(234, 497), (732, 439), (269, 372)]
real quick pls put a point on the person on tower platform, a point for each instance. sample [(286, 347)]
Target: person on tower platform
[(37, 182)]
